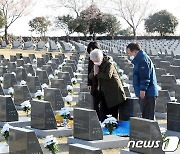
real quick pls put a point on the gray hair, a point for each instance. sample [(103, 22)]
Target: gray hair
[(96, 53)]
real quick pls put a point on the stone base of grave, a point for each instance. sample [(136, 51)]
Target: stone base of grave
[(76, 89), (126, 151), (172, 133), (59, 132), (22, 122), (4, 148), (108, 142), (161, 115)]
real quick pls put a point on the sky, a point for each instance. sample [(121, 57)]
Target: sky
[(44, 8)]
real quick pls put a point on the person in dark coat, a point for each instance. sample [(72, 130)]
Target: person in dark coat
[(93, 83), (109, 84), (144, 80)]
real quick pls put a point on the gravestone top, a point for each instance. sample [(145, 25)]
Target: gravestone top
[(86, 125)]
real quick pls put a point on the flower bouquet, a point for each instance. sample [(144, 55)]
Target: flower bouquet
[(22, 82), (51, 144), (1, 79), (5, 131), (26, 107), (44, 85), (74, 81), (110, 123), (70, 89), (50, 76), (65, 113), (11, 91), (68, 99), (39, 94)]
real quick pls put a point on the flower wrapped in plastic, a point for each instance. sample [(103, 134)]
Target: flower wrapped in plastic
[(26, 107), (70, 89), (22, 82), (124, 77), (74, 81), (38, 69), (56, 72), (79, 69), (51, 144), (1, 79), (44, 85), (76, 75), (50, 76), (34, 61), (110, 123), (11, 91), (13, 73), (5, 131), (120, 71), (29, 74), (39, 94), (65, 113), (68, 99)]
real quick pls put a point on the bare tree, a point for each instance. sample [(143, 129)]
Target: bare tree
[(12, 10), (133, 11)]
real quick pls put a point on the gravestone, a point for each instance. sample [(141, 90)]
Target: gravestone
[(11, 67), (65, 46), (159, 72), (173, 116), (145, 130), (21, 94), (8, 111), (168, 82), (83, 149), (85, 100), (5, 62), (54, 96), (165, 65), (129, 108), (33, 84), (60, 57), (21, 74), (42, 116), (32, 56), (60, 84), (46, 58), (48, 69), (53, 46), (23, 141), (86, 125), (20, 62), (83, 87), (29, 69), (28, 45), (1, 57), (65, 76), (13, 58), (162, 100), (68, 69), (56, 61), (53, 65), (19, 55), (40, 62), (72, 65), (174, 70), (16, 45), (27, 60), (176, 62), (3, 70), (40, 46), (177, 92), (9, 80), (43, 77), (3, 45), (127, 91)]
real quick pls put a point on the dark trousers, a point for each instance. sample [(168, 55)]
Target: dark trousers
[(147, 107), (104, 110), (96, 104)]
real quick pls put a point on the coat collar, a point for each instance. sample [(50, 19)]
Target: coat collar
[(137, 58)]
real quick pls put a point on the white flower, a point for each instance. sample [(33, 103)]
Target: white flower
[(1, 78), (56, 72), (13, 73), (44, 85), (5, 128), (79, 61), (79, 69), (163, 130), (159, 87), (60, 67), (23, 82), (10, 90), (74, 80), (50, 61), (50, 76), (29, 74), (178, 81), (64, 111), (34, 61), (69, 88), (68, 98), (124, 77), (38, 93), (111, 59), (26, 104), (109, 120), (28, 64), (76, 74), (49, 140), (120, 71), (38, 69), (64, 63), (73, 48), (20, 67), (6, 66)]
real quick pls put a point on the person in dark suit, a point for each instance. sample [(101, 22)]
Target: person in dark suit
[(93, 83)]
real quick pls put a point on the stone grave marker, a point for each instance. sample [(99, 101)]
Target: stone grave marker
[(85, 100), (48, 69), (8, 111), (29, 69), (40, 46), (40, 62), (54, 96), (86, 125), (28, 45), (21, 74), (3, 70), (43, 77), (13, 58), (65, 76), (33, 84), (9, 80), (16, 45), (11, 67), (20, 62), (42, 116), (68, 69), (27, 60)]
